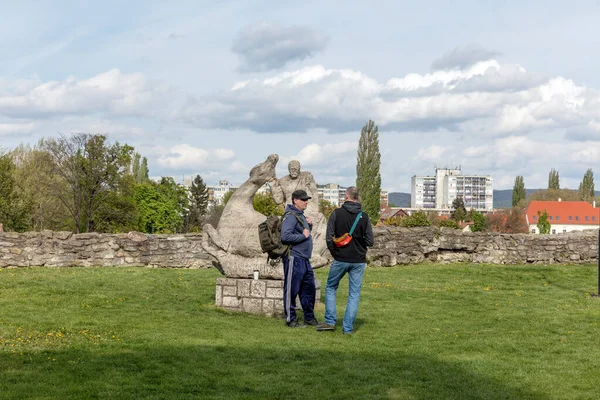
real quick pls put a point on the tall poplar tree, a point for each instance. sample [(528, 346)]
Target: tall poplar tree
[(586, 187), (553, 179), (518, 193), (368, 178)]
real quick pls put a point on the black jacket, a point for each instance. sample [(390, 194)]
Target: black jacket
[(340, 222)]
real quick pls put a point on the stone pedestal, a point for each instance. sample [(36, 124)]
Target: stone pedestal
[(254, 296)]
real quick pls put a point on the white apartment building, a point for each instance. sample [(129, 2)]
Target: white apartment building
[(216, 193), (335, 194), (332, 192), (439, 191)]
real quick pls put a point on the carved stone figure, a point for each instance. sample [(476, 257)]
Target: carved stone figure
[(235, 242), (282, 190)]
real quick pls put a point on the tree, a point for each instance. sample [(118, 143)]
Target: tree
[(139, 168), (543, 224), (264, 204), (368, 178), (459, 212), (554, 195), (478, 222), (198, 204), (326, 207), (518, 193), (553, 179), (418, 218), (161, 206), (227, 196), (14, 211), (90, 169), (586, 187)]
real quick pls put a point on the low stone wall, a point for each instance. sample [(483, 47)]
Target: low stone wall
[(395, 246), (392, 246), (65, 249)]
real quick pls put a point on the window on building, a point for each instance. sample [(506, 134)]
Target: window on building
[(533, 230), (550, 217), (587, 218), (577, 218), (554, 231), (564, 231), (534, 217), (570, 218), (593, 218), (558, 217)]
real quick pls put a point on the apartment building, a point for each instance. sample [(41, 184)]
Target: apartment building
[(335, 194), (439, 191)]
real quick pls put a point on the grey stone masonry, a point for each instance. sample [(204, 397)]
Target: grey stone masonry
[(393, 246), (260, 296)]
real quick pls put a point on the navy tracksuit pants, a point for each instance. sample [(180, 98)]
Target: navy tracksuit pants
[(298, 280)]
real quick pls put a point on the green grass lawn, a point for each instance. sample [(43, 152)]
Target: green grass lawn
[(423, 332)]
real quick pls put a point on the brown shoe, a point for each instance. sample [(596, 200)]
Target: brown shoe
[(324, 326)]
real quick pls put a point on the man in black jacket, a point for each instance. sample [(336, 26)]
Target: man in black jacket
[(348, 258)]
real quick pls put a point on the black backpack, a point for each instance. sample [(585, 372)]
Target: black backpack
[(269, 234)]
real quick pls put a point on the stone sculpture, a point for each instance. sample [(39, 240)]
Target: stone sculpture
[(282, 190), (235, 244)]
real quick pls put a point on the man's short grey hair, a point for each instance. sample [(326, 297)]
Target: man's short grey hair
[(352, 193)]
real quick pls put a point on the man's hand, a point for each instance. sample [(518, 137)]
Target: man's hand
[(308, 220), (306, 233)]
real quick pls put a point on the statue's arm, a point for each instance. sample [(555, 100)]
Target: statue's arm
[(277, 191), (312, 186)]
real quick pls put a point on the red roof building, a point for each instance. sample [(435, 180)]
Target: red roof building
[(564, 216)]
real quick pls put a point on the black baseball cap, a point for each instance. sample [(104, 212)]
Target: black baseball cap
[(300, 194)]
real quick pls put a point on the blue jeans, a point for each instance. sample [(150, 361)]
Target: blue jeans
[(336, 273)]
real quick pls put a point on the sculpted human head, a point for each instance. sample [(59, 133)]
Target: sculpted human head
[(294, 169)]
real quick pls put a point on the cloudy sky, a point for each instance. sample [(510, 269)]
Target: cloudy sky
[(501, 88)]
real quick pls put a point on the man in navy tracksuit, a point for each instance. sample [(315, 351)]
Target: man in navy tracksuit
[(298, 275)]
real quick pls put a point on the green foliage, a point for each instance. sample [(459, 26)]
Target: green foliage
[(139, 168), (198, 205), (553, 179), (519, 192), (264, 204), (90, 169), (478, 222), (586, 187), (459, 212), (326, 207), (161, 206), (14, 210), (543, 224), (448, 223), (418, 218), (368, 178)]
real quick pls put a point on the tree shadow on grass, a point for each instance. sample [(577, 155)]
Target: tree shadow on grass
[(222, 372)]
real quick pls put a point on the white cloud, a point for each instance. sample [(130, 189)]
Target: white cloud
[(433, 153), (186, 157), (109, 92), (485, 98)]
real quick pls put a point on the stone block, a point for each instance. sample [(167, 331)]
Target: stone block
[(268, 306), (252, 306), (229, 291), (274, 293), (243, 286), (219, 296), (258, 288), (226, 281), (274, 283), (231, 302)]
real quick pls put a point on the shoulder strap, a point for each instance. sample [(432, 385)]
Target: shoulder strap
[(300, 220), (354, 224)]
